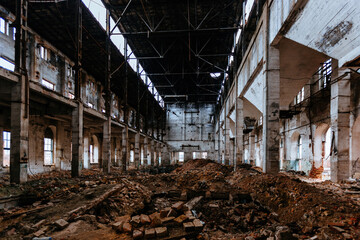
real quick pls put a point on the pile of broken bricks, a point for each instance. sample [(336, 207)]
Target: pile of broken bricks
[(173, 222)]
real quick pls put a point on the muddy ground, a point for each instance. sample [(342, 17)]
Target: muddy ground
[(199, 200)]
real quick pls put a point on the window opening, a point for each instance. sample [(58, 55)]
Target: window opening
[(49, 147), (6, 148), (48, 84)]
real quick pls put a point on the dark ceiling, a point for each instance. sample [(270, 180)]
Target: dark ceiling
[(179, 43)]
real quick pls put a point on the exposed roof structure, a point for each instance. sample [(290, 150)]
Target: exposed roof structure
[(180, 43), (55, 22)]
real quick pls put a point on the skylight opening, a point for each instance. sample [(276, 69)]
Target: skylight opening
[(98, 10), (215, 75), (248, 6)]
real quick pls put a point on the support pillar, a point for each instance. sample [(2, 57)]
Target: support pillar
[(146, 151), (157, 150), (19, 149), (77, 140), (60, 138), (252, 148), (77, 114), (1, 148), (137, 159), (188, 156), (152, 150), (227, 141), (125, 148), (239, 131), (340, 127), (165, 155), (271, 126), (106, 146)]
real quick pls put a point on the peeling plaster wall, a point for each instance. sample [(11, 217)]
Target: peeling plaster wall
[(336, 32), (190, 128)]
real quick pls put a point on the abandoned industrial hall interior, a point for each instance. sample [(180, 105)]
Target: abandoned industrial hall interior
[(188, 119)]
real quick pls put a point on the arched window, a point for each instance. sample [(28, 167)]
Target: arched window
[(49, 147)]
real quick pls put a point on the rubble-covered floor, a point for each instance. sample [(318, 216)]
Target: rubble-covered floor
[(199, 200)]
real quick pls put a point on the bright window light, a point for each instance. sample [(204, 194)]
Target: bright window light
[(2, 26), (215, 75), (48, 84), (98, 10), (248, 6), (6, 64)]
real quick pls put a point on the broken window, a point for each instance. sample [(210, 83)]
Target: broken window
[(43, 53), (6, 150), (7, 64), (49, 147), (71, 96), (48, 84), (4, 26), (325, 72)]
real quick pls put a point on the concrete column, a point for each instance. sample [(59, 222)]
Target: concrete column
[(137, 150), (252, 148), (227, 141), (118, 152), (106, 146), (239, 131), (77, 140), (165, 155), (157, 150), (1, 148), (152, 150), (146, 151), (340, 127), (271, 125), (125, 148), (60, 138), (19, 149), (188, 156)]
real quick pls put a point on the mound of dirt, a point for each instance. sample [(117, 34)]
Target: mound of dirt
[(203, 164)]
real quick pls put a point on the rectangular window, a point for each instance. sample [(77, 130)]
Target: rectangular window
[(181, 156), (14, 34), (48, 84), (43, 53), (7, 64), (115, 154), (6, 146), (4, 26), (48, 151), (91, 153), (132, 156), (204, 155)]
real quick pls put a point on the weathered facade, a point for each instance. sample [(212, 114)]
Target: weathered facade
[(297, 89)]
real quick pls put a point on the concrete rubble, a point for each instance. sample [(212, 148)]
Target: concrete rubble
[(219, 204)]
